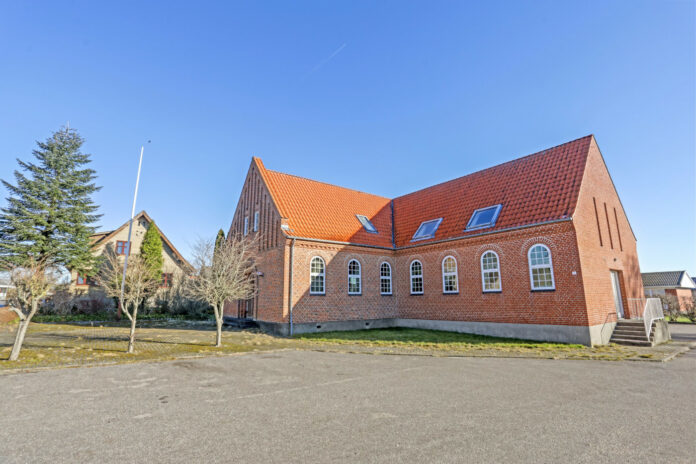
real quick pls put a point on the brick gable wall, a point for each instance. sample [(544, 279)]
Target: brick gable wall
[(605, 242)]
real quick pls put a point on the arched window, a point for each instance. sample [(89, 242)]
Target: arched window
[(490, 272), (317, 274), (449, 275), (541, 268), (385, 279), (416, 278), (354, 281)]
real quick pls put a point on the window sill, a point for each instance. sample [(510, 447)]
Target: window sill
[(542, 290), (386, 294), (492, 291), (317, 294), (416, 294), (355, 294), (450, 293)]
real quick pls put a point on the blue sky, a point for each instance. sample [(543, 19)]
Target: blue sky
[(385, 97)]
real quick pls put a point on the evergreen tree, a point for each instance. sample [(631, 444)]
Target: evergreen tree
[(50, 213), (219, 239), (151, 251)]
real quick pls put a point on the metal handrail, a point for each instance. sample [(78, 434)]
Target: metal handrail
[(647, 309)]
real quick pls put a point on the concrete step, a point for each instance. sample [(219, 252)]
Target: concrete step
[(639, 333), (631, 342)]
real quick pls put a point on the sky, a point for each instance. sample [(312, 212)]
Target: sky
[(386, 97)]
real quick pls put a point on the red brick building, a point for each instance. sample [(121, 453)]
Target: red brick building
[(538, 248)]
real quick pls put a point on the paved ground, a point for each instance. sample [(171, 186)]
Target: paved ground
[(303, 406)]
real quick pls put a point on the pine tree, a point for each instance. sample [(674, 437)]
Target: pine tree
[(219, 239), (50, 213), (151, 251)]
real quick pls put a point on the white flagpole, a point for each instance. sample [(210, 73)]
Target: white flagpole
[(130, 225)]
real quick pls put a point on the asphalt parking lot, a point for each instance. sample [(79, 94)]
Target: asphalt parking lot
[(303, 406)]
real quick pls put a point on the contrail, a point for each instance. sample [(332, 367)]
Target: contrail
[(330, 57)]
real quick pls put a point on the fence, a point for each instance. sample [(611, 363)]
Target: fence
[(647, 309)]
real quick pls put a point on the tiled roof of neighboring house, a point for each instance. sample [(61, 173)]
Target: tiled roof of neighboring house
[(662, 279), (537, 188), (103, 237)]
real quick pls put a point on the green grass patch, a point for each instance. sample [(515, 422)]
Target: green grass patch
[(679, 319)]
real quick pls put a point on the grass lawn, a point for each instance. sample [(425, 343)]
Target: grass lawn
[(679, 319), (419, 341)]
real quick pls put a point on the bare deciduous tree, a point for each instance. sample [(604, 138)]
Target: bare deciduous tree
[(223, 273), (32, 281), (140, 282)]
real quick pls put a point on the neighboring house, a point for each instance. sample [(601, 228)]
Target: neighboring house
[(536, 248), (671, 283), (117, 240), (5, 286)]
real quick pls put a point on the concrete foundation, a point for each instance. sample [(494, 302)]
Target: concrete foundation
[(661, 334), (584, 335)]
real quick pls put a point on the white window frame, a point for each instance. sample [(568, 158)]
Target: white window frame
[(316, 274), (256, 221), (386, 278), (490, 271), (358, 275), (447, 274), (246, 225), (425, 237), (540, 266), (487, 224), (421, 276), (367, 224)]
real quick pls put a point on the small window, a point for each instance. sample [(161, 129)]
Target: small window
[(246, 225), (541, 268), (256, 221), (385, 279), (484, 217), (449, 275), (366, 224), (122, 248), (490, 272), (82, 280), (427, 229), (317, 273), (166, 280), (354, 280), (416, 278)]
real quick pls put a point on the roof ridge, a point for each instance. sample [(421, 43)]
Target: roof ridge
[(514, 160), (327, 183)]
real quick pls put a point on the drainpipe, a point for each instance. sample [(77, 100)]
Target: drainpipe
[(292, 249)]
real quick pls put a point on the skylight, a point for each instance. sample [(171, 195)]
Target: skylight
[(484, 217), (427, 229), (366, 223)]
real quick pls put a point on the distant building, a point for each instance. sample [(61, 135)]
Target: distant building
[(675, 283), (117, 241)]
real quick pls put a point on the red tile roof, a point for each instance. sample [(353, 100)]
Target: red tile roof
[(534, 189)]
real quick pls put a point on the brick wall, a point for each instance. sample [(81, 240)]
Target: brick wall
[(605, 242)]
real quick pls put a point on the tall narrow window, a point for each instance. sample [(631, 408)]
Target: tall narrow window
[(256, 221), (385, 279), (416, 278), (618, 231), (246, 225), (449, 275), (317, 274), (122, 248), (541, 268), (490, 272), (354, 280), (599, 228)]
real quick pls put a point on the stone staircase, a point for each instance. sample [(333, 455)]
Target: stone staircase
[(632, 332)]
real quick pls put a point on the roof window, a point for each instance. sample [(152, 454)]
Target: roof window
[(484, 217), (427, 229), (366, 223)]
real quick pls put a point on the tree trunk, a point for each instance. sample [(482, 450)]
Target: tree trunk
[(218, 323), (131, 340), (21, 332)]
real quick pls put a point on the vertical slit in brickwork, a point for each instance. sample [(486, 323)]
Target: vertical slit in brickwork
[(606, 213), (618, 231), (596, 215)]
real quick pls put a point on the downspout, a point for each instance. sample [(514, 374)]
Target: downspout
[(292, 249)]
